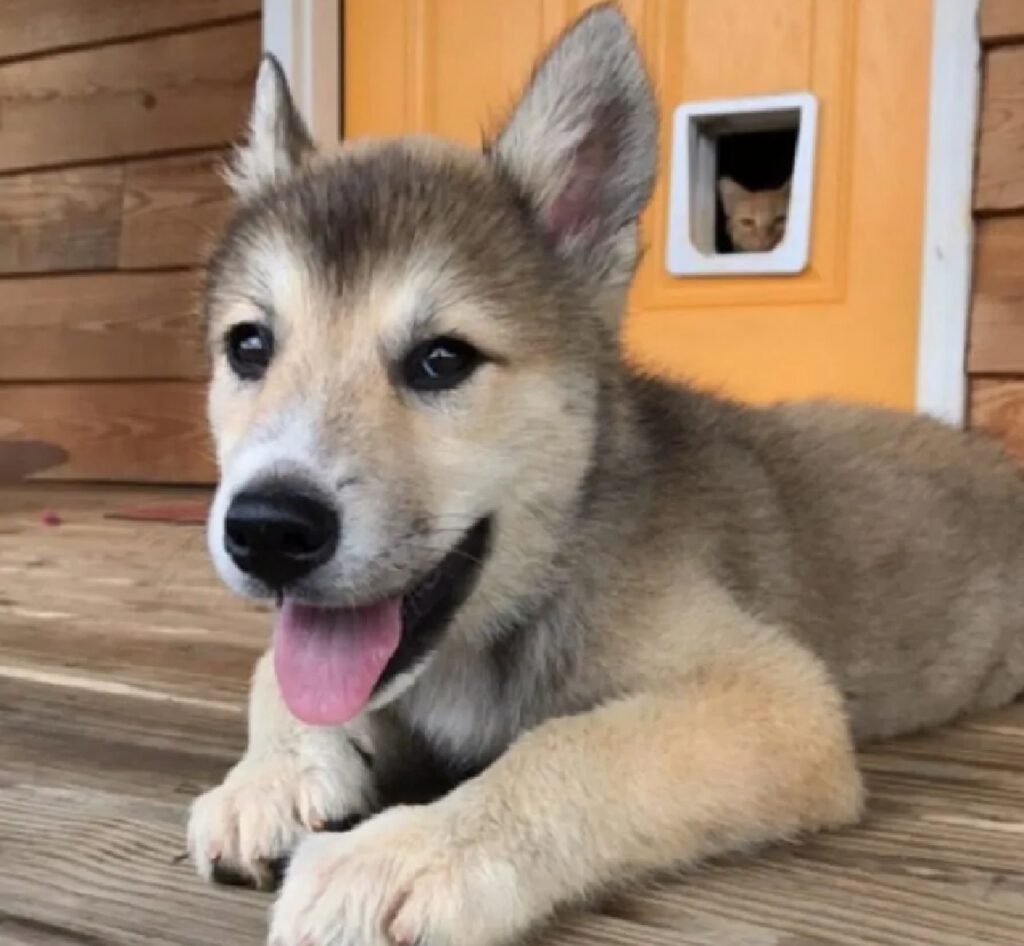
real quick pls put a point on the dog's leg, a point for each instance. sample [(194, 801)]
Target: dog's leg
[(293, 779), (749, 750)]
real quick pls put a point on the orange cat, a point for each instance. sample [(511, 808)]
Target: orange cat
[(755, 220)]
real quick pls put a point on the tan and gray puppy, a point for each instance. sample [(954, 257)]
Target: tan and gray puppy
[(654, 621)]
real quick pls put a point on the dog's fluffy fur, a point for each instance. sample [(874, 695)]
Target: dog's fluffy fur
[(690, 609)]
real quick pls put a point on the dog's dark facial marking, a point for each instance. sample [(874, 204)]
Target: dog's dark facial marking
[(354, 215)]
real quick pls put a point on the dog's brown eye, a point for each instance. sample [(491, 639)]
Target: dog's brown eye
[(249, 347), (440, 364)]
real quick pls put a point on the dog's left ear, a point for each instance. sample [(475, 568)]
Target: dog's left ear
[(278, 140), (581, 145)]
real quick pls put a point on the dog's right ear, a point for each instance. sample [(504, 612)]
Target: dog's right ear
[(580, 145), (278, 140)]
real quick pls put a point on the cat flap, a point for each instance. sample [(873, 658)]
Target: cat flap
[(741, 186)]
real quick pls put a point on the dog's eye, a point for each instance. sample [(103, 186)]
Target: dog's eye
[(249, 347), (440, 364)]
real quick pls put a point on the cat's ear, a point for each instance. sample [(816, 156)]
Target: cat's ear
[(580, 145), (278, 141), (786, 188), (731, 193)]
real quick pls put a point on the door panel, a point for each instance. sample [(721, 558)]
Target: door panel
[(847, 326)]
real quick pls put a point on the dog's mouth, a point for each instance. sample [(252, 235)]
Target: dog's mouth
[(331, 661)]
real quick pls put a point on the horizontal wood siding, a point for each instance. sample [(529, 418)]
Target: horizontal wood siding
[(173, 209), (1000, 181), (31, 27), (115, 120), (102, 325), (151, 431), (61, 220), (997, 330), (133, 215), (997, 405), (156, 94), (1002, 21), (995, 354)]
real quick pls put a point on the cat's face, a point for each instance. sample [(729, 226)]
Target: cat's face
[(755, 220)]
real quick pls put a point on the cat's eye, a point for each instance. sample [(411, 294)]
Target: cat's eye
[(440, 364), (747, 221), (780, 221), (249, 346)]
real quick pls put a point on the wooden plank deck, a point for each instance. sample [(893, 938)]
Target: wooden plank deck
[(123, 668)]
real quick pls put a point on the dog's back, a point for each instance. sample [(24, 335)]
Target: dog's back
[(891, 544)]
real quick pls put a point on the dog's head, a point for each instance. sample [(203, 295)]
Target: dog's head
[(409, 340)]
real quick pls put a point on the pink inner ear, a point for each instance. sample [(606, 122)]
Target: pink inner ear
[(578, 206)]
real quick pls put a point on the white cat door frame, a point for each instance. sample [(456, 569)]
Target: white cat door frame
[(696, 127)]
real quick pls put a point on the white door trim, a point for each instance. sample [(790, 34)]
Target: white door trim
[(305, 36), (948, 226)]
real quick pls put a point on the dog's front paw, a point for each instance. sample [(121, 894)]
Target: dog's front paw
[(407, 877), (242, 830)]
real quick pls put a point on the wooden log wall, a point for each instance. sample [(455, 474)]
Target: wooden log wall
[(995, 355), (115, 116)]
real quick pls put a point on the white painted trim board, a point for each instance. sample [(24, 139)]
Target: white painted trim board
[(941, 388)]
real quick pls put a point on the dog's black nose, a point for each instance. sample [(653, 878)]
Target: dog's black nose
[(279, 536)]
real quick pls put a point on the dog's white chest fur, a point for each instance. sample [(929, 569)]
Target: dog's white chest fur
[(460, 709)]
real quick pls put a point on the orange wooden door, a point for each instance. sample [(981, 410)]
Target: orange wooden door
[(847, 325)]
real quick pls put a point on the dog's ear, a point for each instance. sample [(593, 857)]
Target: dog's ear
[(278, 140), (581, 145)]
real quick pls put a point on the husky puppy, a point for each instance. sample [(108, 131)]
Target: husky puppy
[(656, 622)]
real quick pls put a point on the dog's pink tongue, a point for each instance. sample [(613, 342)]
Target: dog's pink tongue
[(327, 660)]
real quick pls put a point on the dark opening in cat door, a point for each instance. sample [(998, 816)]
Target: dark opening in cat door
[(741, 186)]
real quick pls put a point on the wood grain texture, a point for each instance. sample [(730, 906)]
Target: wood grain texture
[(102, 755), (140, 611), (140, 214), (1001, 21), (104, 325), (999, 183), (996, 338), (178, 91), (173, 210), (997, 405), (134, 431), (61, 220), (35, 26)]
